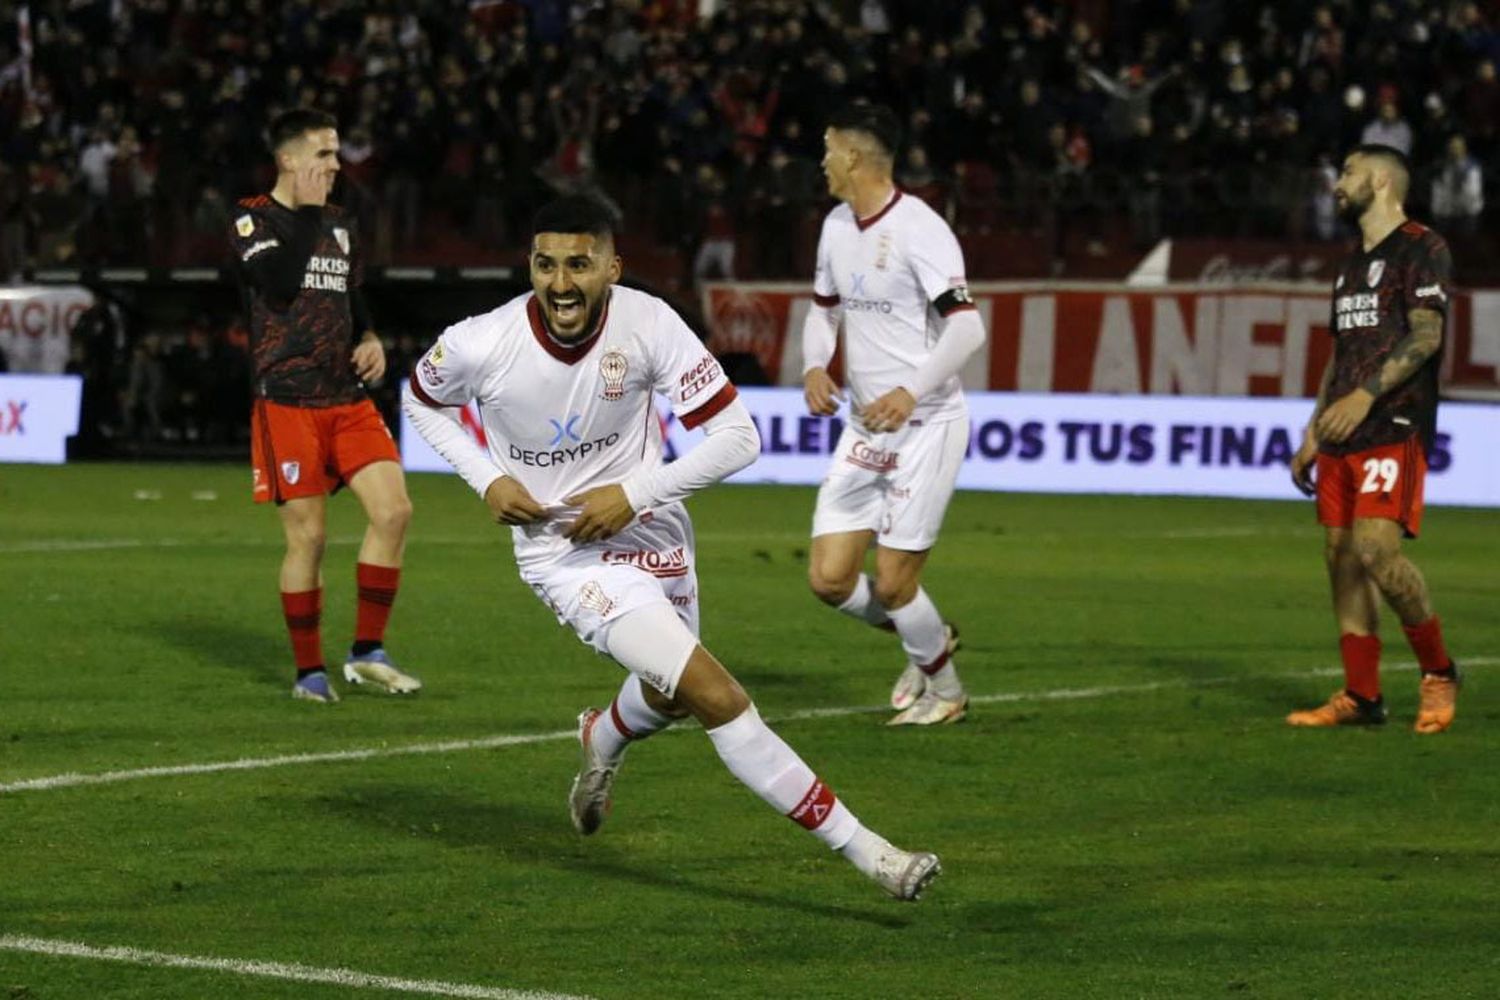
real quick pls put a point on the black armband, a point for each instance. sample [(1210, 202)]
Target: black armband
[(953, 300)]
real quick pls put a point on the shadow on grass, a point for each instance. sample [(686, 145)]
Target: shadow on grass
[(262, 652), (533, 837)]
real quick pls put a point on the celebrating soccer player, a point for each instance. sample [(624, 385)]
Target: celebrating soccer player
[(892, 269), (1366, 443), (565, 379), (313, 428)]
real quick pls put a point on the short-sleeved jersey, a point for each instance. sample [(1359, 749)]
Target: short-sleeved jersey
[(300, 352), (894, 275), (1372, 296), (563, 418)]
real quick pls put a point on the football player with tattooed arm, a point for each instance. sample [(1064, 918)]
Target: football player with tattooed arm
[(313, 428), (891, 271), (1363, 454)]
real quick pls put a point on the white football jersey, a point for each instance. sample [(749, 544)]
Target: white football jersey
[(890, 274), (561, 419)]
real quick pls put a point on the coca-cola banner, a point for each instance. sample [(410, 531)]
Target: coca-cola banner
[(1195, 340)]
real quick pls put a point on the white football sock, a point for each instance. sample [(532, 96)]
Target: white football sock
[(864, 849), (926, 643), (772, 770), (627, 718), (862, 604)]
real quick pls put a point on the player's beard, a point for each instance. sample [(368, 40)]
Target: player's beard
[(1353, 207), (592, 309)]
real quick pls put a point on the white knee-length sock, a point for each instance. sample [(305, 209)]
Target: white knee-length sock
[(627, 718), (772, 770), (861, 604), (926, 642)]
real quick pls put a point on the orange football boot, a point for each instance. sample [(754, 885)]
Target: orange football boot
[(1439, 696), (1343, 709)]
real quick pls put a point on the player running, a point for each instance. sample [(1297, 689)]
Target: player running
[(565, 379), (890, 267), (1375, 417), (313, 429)]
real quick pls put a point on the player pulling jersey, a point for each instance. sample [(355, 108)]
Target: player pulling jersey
[(561, 419)]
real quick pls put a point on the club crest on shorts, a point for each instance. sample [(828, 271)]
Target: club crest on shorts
[(612, 368), (341, 236), (291, 472), (593, 597), (1377, 268), (244, 225)]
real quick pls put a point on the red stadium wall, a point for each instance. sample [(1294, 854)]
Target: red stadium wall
[(1265, 340)]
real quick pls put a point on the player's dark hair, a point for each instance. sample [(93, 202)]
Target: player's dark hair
[(1393, 159), (875, 120), (575, 213), (293, 124)]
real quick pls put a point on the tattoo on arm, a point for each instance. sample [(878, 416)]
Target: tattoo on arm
[(1410, 353)]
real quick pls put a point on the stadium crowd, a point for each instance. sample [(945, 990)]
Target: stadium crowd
[(129, 129)]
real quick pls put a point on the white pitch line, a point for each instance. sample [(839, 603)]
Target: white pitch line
[(271, 970), (73, 779)]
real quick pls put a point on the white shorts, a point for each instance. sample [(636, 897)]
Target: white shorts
[(897, 485), (595, 584)]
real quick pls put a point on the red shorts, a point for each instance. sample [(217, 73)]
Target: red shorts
[(1384, 482), (306, 451)]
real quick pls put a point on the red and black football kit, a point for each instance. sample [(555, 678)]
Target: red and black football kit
[(313, 425), (1379, 470)]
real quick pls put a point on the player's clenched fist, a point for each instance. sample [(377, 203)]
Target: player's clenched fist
[(604, 511), (821, 392), (510, 503)]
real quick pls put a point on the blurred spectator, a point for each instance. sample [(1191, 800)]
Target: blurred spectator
[(1458, 191), (714, 224), (1388, 128)]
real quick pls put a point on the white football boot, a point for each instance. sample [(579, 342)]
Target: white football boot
[(588, 800), (932, 709), (376, 668), (904, 874), (912, 682)]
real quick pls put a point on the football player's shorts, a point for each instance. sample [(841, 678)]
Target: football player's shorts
[(597, 583), (897, 485), (305, 451), (1382, 482)]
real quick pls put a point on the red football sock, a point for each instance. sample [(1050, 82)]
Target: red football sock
[(377, 592), (1361, 655), (304, 613), (1426, 640)]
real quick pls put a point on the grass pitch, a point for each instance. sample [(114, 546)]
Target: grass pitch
[(1123, 815)]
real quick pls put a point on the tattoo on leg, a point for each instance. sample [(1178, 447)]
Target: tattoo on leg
[(1405, 591)]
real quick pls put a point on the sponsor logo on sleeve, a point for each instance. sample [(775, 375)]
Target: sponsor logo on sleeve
[(699, 377), (1432, 292), (428, 370), (256, 248), (244, 225)]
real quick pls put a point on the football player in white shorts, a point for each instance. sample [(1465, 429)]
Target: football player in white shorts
[(565, 380), (891, 269)]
